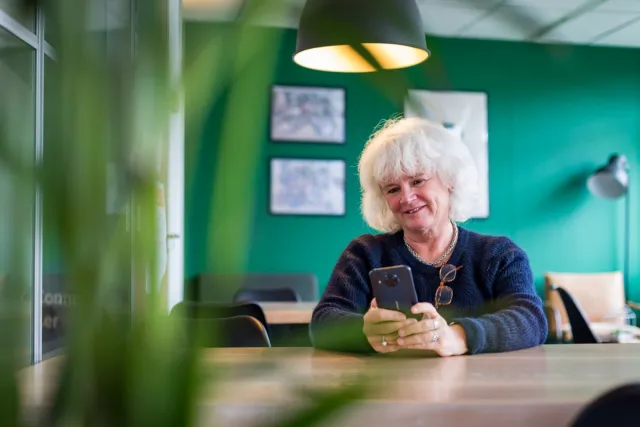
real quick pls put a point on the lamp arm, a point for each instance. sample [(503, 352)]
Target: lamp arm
[(627, 230)]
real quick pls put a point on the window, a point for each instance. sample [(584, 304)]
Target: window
[(16, 10), (17, 138)]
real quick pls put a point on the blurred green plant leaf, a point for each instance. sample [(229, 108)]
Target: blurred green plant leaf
[(110, 98)]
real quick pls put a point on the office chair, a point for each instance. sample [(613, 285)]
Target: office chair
[(580, 330), (214, 310), (238, 331), (267, 295), (618, 406)]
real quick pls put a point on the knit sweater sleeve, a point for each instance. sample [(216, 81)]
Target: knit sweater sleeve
[(516, 320), (337, 320)]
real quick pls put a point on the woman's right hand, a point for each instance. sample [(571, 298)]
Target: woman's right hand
[(382, 326)]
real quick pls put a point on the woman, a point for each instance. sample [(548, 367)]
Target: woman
[(418, 181)]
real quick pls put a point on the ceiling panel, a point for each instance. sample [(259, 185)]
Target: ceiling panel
[(210, 10), (447, 21), (485, 19), (588, 26), (568, 4), (620, 6), (481, 4), (512, 22), (628, 36)]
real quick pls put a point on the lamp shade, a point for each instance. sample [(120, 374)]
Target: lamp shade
[(354, 35), (612, 180)]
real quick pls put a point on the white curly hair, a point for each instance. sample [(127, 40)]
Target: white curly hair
[(412, 146)]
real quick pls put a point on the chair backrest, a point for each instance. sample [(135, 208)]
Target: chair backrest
[(237, 331), (212, 310), (580, 330), (621, 402), (265, 295), (222, 287), (599, 294)]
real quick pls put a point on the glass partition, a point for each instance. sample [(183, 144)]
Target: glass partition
[(17, 141), (107, 36), (32, 260), (22, 12)]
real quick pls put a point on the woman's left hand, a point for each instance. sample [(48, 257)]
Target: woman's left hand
[(432, 333)]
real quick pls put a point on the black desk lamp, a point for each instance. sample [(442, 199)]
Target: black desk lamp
[(612, 182)]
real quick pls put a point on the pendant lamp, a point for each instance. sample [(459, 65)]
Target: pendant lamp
[(356, 36)]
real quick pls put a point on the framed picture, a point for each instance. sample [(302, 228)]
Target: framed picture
[(308, 114), (307, 186), (465, 114)]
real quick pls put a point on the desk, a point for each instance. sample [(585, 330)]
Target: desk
[(278, 313), (543, 386)]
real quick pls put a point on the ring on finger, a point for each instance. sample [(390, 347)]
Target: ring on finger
[(436, 325), (435, 337), (384, 341)]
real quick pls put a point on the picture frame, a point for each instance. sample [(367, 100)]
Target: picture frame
[(308, 114), (307, 186), (464, 113)]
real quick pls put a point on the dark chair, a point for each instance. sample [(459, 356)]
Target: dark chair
[(580, 329), (266, 295), (238, 331), (213, 310), (617, 406), (222, 287)]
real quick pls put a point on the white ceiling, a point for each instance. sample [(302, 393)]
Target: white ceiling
[(588, 22)]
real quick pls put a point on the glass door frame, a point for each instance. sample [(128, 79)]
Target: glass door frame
[(174, 181), (42, 49)]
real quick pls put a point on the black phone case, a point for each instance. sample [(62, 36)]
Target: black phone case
[(393, 289)]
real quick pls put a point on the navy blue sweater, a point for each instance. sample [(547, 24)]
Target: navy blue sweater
[(494, 297)]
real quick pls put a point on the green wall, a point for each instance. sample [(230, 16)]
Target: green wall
[(555, 113)]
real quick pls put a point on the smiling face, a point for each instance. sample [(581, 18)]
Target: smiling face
[(418, 202)]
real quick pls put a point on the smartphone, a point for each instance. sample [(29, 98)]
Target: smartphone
[(393, 289)]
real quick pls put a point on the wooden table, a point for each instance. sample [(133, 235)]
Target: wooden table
[(278, 313), (543, 386)]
